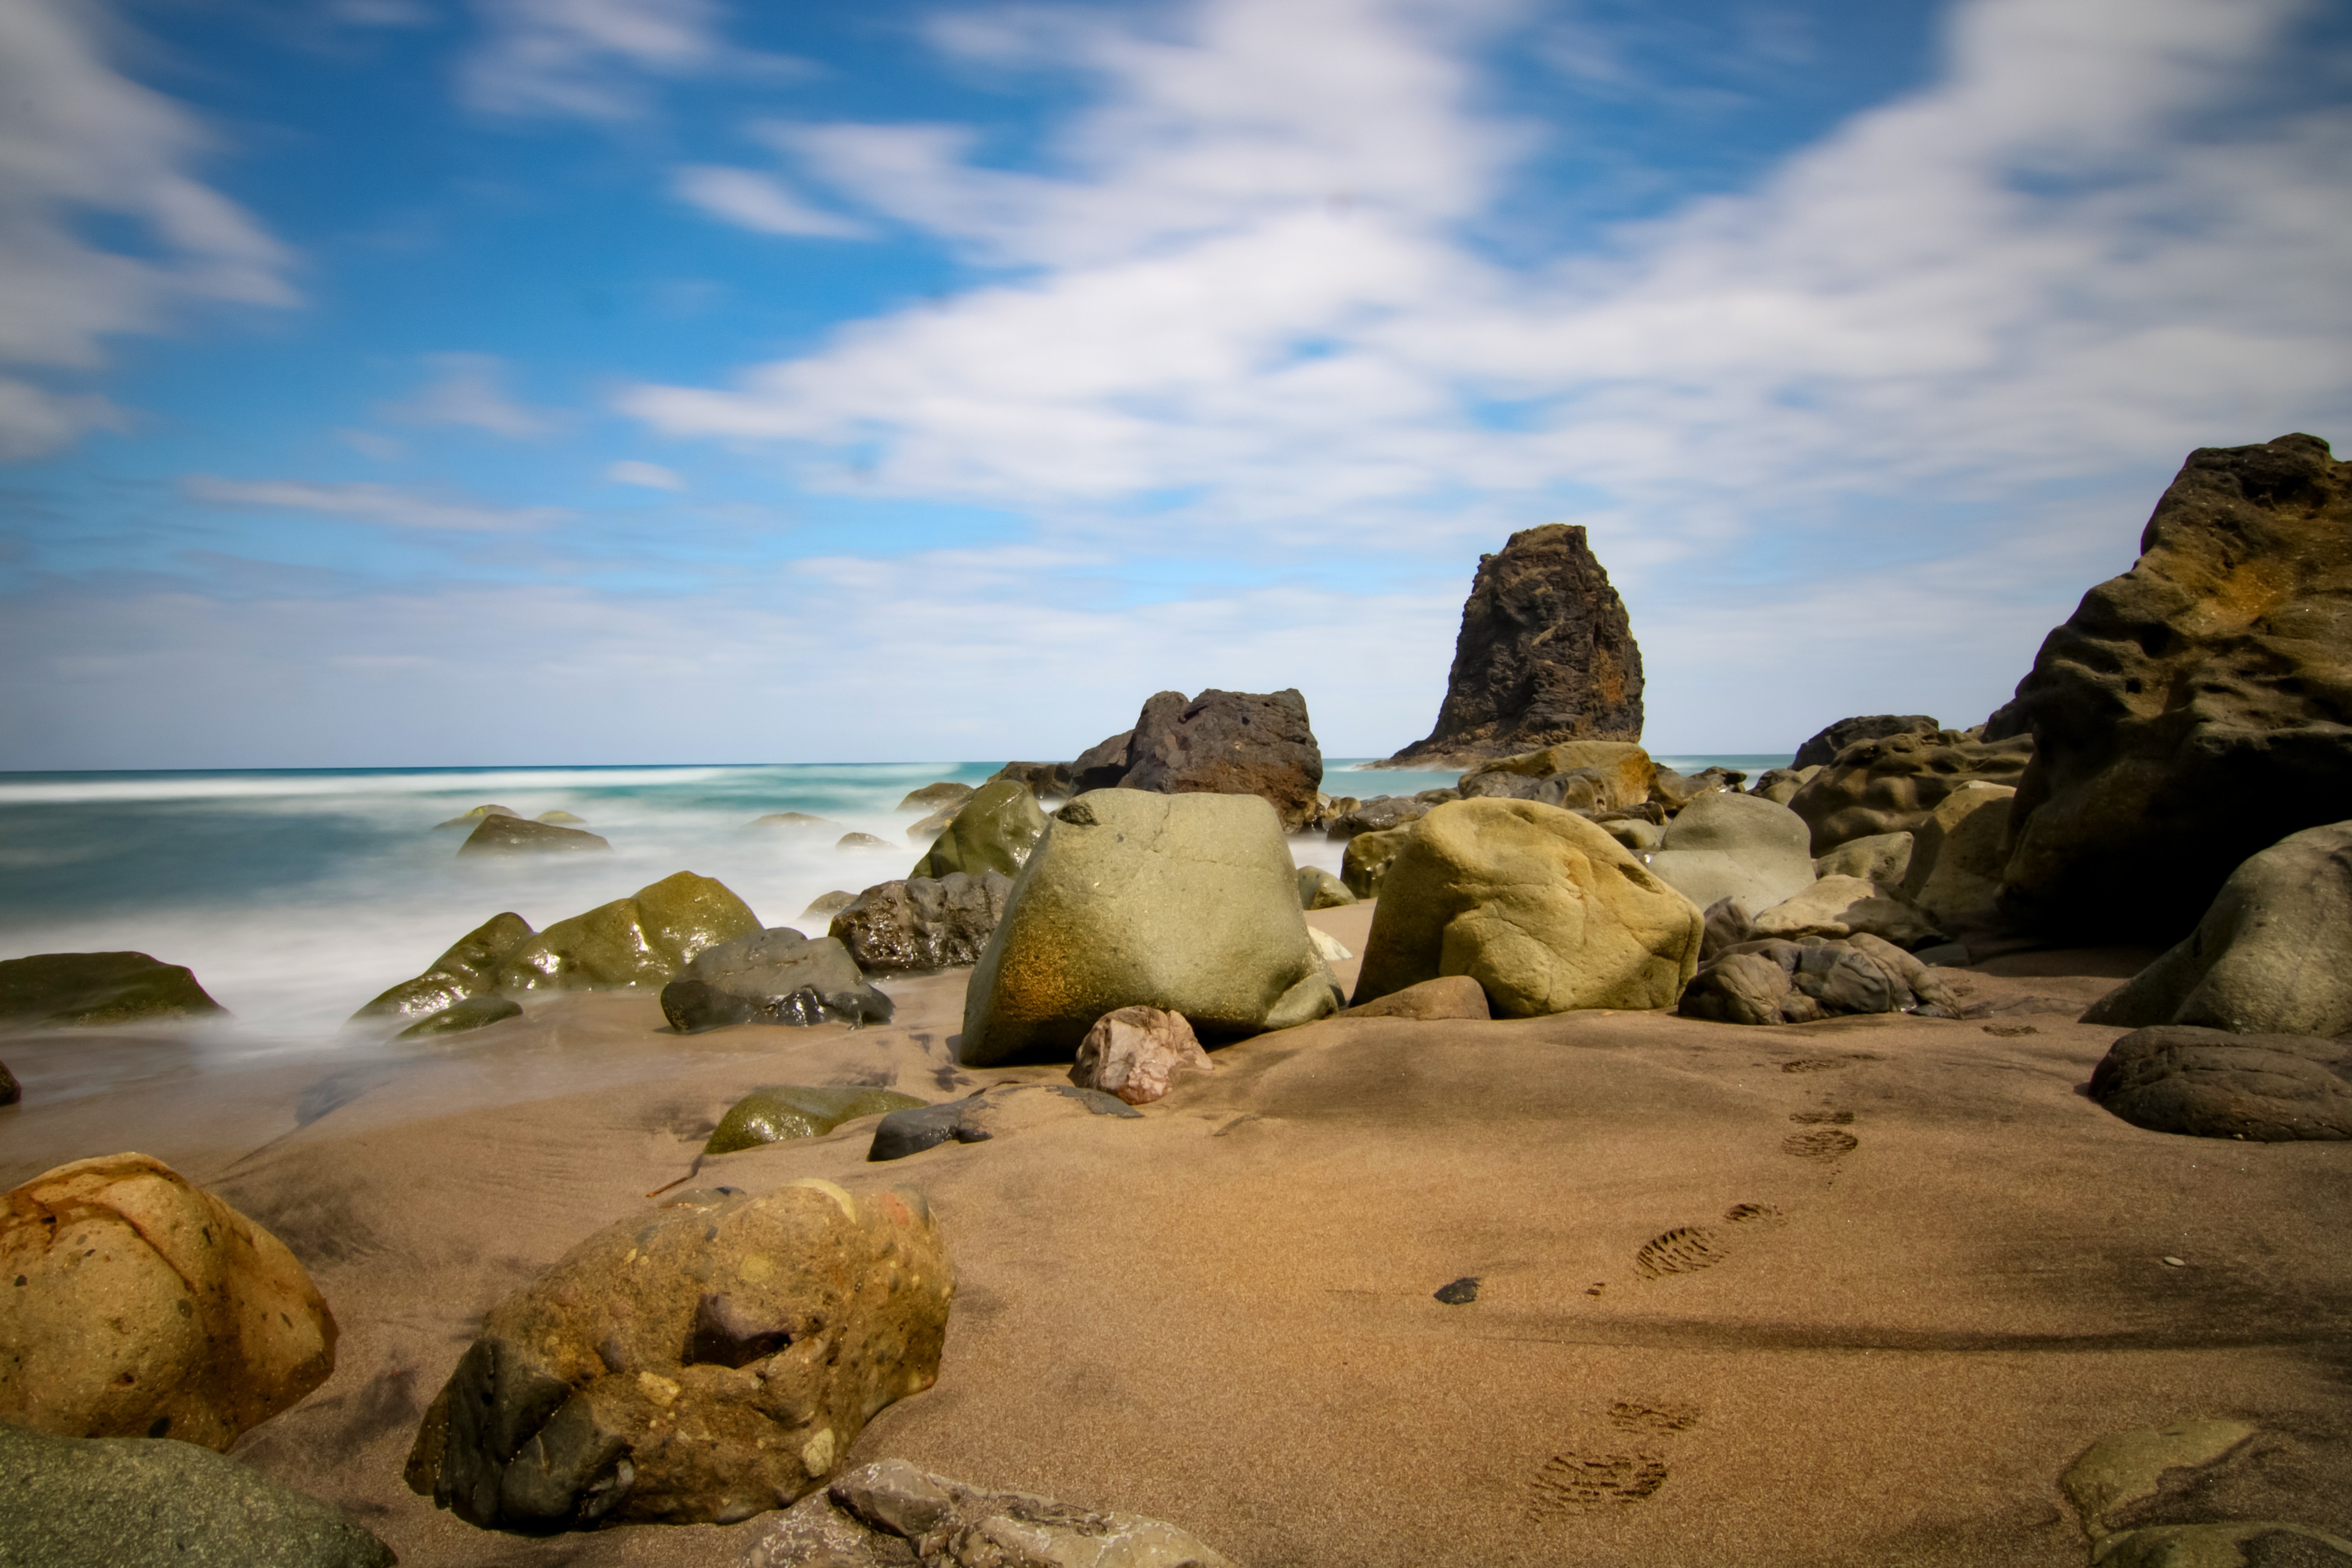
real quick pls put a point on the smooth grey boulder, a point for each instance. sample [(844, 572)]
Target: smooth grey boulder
[(914, 1128), (2272, 955), (1184, 902), (140, 1502), (2269, 1088), (1728, 845), (922, 922), (776, 976)]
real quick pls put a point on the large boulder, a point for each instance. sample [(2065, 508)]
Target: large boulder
[(60, 990), (145, 1307), (520, 836), (1840, 906), (771, 977), (1893, 785), (1954, 872), (922, 922), (2272, 1089), (1728, 845), (1102, 765), (1185, 902), (2195, 709), (1624, 771), (703, 1362), (2273, 956), (469, 969), (1801, 980), (1545, 654), (1229, 742), (126, 1502), (1542, 907), (1824, 746), (646, 939), (992, 831)]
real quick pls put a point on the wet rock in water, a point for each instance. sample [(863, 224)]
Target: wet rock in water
[(1545, 654), (917, 1127), (1624, 771), (702, 1363), (2195, 709), (1841, 906), (146, 1307), (2273, 954), (1823, 748), (992, 831), (1135, 1051), (795, 822), (10, 1090), (2269, 1088), (776, 976), (890, 1513), (1378, 814), (931, 827), (469, 820), (1187, 902), (561, 818), (1782, 981), (1726, 846), (1955, 864), (933, 796), (1229, 742), (922, 922), (1892, 785), (124, 1502), (470, 968), (473, 1013), (825, 906), (1368, 858), (860, 841), (1319, 890), (1102, 765), (520, 836), (645, 940), (1542, 907), (1448, 996), (786, 1111), (68, 990), (1881, 857)]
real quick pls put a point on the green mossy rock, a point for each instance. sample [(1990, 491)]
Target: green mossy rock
[(56, 990), (795, 822), (559, 817), (470, 968), (933, 796), (1367, 859), (995, 831), (1319, 890), (520, 836), (645, 940), (782, 1110), (473, 1013), (470, 819)]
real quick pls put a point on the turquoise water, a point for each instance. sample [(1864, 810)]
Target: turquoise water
[(296, 896)]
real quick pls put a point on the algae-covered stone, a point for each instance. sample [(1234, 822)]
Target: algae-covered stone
[(1319, 890), (470, 968), (473, 1013), (1184, 902), (783, 1110), (56, 990), (933, 796), (561, 818), (994, 831), (644, 940), (473, 819), (1541, 907), (1367, 857), (520, 836)]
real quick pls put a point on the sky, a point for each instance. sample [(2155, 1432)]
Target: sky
[(408, 383)]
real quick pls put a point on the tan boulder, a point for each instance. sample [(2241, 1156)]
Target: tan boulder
[(645, 940), (1955, 864), (703, 1362), (1135, 1051), (1624, 768), (1449, 996), (1541, 907), (1366, 859), (1880, 857), (1840, 906), (144, 1307)]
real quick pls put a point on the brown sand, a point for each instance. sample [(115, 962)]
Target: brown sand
[(1221, 1314)]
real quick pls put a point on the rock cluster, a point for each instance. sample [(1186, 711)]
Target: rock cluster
[(1895, 784), (1824, 746), (1796, 982)]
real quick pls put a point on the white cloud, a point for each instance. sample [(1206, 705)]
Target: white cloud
[(78, 137), (651, 475), (370, 503), (758, 201), (374, 444), (592, 59), (470, 390)]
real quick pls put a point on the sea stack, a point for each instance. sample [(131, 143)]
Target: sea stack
[(1545, 654)]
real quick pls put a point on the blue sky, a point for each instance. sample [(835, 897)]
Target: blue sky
[(444, 381)]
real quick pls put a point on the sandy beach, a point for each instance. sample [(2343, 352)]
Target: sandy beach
[(1850, 1292)]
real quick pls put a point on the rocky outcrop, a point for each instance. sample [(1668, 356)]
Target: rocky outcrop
[(1622, 772), (65, 990), (126, 1502), (1133, 1053), (1185, 902), (520, 836), (922, 922), (1545, 654), (771, 977), (1541, 908), (1777, 980), (1229, 742), (787, 1110), (1954, 871), (703, 1362), (1894, 785), (1824, 746), (2272, 955), (2271, 1088), (145, 1307), (645, 940), (992, 831), (2197, 708), (1726, 846)]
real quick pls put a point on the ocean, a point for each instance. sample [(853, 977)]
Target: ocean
[(296, 896)]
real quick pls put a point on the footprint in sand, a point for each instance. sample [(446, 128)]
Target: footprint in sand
[(1685, 1249), (1601, 1476), (1822, 1143)]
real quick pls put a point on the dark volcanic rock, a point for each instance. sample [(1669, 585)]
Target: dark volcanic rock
[(1229, 742), (1825, 746), (10, 1092), (1545, 654), (1103, 765), (2273, 1089), (520, 836), (51, 990), (910, 1131), (923, 922), (1045, 781), (2195, 709), (773, 977)]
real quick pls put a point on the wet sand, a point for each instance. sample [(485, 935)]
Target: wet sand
[(1852, 1292)]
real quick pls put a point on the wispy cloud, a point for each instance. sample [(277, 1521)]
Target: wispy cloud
[(650, 475), (757, 201), (370, 503), (595, 59), (469, 390), (78, 137)]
